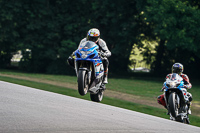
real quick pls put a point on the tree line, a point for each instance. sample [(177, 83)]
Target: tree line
[(52, 29)]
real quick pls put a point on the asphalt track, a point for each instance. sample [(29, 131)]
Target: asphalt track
[(28, 110)]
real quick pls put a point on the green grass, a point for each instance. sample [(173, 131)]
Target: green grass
[(60, 78), (147, 88), (135, 87)]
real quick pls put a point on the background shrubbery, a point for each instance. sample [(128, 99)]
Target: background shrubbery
[(52, 29)]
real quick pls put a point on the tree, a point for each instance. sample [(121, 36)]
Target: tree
[(48, 31), (51, 28), (120, 24), (8, 32), (175, 23)]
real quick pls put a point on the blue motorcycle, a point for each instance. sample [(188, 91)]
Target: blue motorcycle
[(176, 98), (90, 71)]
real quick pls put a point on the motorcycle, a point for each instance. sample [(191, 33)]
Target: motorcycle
[(90, 71), (176, 98)]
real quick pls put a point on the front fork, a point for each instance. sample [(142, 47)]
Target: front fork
[(176, 98), (89, 73)]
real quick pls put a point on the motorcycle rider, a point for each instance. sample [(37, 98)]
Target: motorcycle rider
[(177, 68), (94, 35)]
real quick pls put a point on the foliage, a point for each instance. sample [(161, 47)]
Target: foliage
[(176, 24), (51, 30), (48, 31), (8, 34)]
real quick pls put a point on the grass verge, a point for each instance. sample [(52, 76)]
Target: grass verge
[(106, 100)]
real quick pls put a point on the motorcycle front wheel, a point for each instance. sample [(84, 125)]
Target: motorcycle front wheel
[(82, 82), (173, 105)]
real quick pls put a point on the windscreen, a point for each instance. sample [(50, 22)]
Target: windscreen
[(175, 76), (88, 45)]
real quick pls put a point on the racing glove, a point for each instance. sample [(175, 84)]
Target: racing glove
[(186, 86), (162, 89), (103, 54)]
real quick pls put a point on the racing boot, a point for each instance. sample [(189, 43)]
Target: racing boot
[(105, 79), (189, 111)]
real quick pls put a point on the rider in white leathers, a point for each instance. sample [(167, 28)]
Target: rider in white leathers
[(94, 35)]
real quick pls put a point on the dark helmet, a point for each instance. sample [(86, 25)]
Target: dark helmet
[(177, 68), (93, 35)]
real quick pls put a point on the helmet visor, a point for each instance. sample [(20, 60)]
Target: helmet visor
[(176, 70), (91, 38)]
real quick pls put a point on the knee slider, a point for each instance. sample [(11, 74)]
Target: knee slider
[(158, 99)]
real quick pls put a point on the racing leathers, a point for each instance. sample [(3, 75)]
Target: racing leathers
[(187, 85), (105, 52)]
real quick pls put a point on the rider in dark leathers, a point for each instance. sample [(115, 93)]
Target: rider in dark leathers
[(178, 68)]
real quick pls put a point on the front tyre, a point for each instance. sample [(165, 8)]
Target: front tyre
[(97, 97), (173, 105), (82, 82)]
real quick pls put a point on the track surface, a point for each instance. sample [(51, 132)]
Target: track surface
[(25, 110)]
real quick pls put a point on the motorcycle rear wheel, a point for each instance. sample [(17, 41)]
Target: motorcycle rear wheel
[(186, 121), (97, 97)]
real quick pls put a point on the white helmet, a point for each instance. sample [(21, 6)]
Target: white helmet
[(93, 35)]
